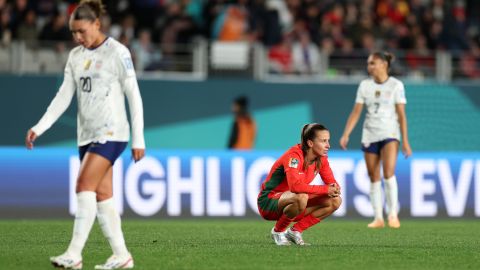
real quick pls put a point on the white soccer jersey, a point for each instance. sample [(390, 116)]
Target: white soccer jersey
[(381, 119), (101, 78)]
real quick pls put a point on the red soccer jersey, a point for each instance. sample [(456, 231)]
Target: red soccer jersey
[(288, 174)]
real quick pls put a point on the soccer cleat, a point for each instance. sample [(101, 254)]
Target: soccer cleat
[(66, 261), (393, 222), (295, 237), (376, 224), (116, 262), (280, 238)]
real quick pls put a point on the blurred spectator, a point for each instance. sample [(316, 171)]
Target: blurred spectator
[(420, 60), (435, 36), (231, 24), (46, 8), (345, 56), (145, 53), (5, 30), (126, 27), (367, 24), (244, 130), (18, 13), (327, 46), (56, 29), (458, 28), (469, 62), (284, 15), (395, 10), (305, 55), (27, 30), (280, 57), (211, 10), (176, 32), (265, 24)]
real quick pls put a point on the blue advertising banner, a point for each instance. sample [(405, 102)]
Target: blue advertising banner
[(166, 183)]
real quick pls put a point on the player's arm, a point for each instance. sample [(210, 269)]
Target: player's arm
[(402, 120), (354, 116), (326, 172), (135, 104), (296, 179), (57, 107), (233, 135), (351, 123)]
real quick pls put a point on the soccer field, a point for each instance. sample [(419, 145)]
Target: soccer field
[(246, 244)]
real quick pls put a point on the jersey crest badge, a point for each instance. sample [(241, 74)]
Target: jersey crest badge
[(377, 93), (293, 163), (128, 62), (86, 64), (98, 64)]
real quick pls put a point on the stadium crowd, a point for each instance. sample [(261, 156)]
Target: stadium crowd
[(291, 29)]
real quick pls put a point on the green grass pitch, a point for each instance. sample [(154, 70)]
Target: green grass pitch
[(246, 244)]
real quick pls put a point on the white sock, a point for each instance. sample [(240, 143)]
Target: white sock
[(111, 225), (391, 193), (84, 218), (376, 199)]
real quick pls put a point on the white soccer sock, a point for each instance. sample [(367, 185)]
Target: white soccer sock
[(376, 199), (84, 218), (391, 193), (111, 225)]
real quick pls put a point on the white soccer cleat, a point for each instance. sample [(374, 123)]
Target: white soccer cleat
[(66, 261), (295, 237), (116, 262), (280, 238)]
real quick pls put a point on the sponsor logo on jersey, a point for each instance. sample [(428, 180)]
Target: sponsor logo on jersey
[(377, 93), (293, 163)]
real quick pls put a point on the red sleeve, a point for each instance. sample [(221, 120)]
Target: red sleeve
[(326, 172), (296, 179)]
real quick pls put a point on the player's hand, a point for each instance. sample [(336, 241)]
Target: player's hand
[(406, 150), (333, 190), (344, 142), (30, 138), (138, 153)]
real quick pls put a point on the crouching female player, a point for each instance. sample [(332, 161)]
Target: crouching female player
[(287, 196)]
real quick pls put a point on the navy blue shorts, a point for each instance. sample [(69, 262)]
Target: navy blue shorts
[(108, 150), (376, 147)]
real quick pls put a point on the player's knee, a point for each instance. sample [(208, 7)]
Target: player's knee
[(388, 174), (301, 200), (336, 202), (102, 196), (374, 176), (84, 185)]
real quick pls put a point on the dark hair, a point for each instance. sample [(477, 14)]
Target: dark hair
[(385, 56), (89, 10), (309, 131), (241, 101)]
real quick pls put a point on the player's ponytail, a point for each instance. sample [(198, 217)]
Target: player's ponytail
[(89, 10)]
